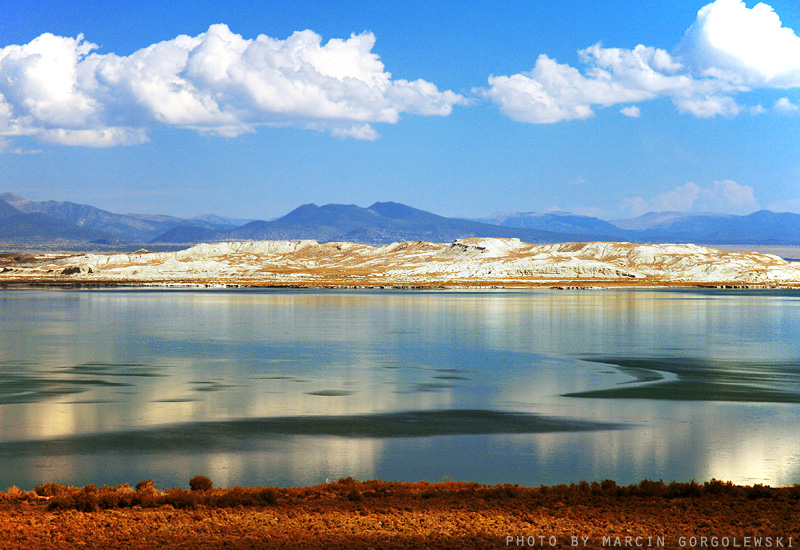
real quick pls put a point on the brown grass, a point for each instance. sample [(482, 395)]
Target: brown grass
[(378, 514)]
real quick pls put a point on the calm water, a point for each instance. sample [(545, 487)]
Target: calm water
[(293, 387)]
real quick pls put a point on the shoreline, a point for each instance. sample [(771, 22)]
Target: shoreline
[(380, 514), (450, 285)]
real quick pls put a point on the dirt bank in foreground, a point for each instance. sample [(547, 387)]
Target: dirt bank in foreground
[(374, 514)]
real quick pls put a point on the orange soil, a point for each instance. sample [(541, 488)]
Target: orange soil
[(375, 514)]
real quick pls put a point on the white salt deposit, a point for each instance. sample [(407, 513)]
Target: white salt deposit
[(465, 261)]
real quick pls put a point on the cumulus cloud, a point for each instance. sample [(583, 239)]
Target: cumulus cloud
[(789, 205), (552, 92), (59, 89), (728, 49), (632, 111), (727, 196), (679, 199), (732, 42), (786, 106), (724, 196)]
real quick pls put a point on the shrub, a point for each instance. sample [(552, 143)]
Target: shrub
[(267, 496), (181, 498), (108, 500), (609, 487), (758, 491), (61, 501), (355, 495), (717, 487), (86, 499), (650, 488), (146, 486), (501, 492), (49, 489), (200, 483), (684, 490)]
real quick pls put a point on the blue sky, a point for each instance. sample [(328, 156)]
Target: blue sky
[(608, 109)]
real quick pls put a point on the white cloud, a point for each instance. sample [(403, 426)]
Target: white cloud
[(790, 205), (727, 196), (729, 49), (707, 107), (724, 196), (786, 106), (590, 211), (552, 92), (528, 98), (631, 111), (56, 89), (5, 147), (679, 199), (732, 42), (357, 131)]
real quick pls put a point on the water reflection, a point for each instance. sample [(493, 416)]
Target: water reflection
[(75, 364)]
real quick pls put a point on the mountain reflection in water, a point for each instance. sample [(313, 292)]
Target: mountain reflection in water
[(258, 387)]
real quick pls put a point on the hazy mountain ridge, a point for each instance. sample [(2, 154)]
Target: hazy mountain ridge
[(664, 220), (129, 227), (38, 228), (68, 224), (561, 222), (763, 227), (379, 224)]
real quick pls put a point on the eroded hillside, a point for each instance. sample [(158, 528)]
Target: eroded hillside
[(470, 262)]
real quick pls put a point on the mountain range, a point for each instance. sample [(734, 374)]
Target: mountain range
[(763, 227), (99, 224), (26, 223)]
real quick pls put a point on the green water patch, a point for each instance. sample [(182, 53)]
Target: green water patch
[(175, 400), (248, 434), (89, 402), (33, 388), (702, 379), (208, 386), (115, 369), (427, 387)]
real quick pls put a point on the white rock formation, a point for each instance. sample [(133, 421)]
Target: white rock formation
[(463, 262)]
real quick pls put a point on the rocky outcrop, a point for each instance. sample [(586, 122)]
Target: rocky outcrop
[(501, 262)]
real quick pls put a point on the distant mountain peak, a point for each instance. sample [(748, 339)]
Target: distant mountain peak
[(399, 211), (383, 222), (13, 199), (557, 222), (223, 220), (6, 210), (652, 220)]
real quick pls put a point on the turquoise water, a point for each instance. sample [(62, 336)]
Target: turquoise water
[(295, 387)]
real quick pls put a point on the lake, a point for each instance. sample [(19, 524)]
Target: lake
[(296, 387)]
